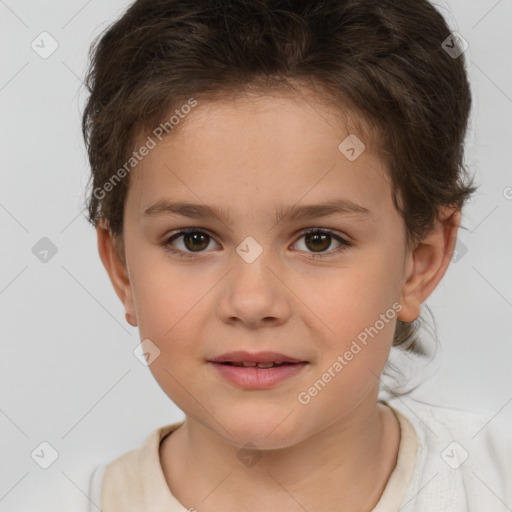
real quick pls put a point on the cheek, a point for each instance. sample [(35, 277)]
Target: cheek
[(359, 306), (164, 297), (352, 299), (352, 359), (170, 313)]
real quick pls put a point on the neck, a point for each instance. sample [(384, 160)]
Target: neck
[(346, 465)]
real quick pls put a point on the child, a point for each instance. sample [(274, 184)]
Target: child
[(313, 153)]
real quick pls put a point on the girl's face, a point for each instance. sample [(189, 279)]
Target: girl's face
[(251, 276)]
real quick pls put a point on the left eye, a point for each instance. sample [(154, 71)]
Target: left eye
[(320, 240), (196, 241)]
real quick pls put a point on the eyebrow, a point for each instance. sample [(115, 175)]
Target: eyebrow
[(294, 212)]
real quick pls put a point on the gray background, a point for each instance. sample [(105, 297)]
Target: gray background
[(68, 373)]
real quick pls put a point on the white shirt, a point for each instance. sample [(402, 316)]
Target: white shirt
[(448, 460)]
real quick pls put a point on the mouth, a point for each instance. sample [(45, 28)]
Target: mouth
[(257, 370), (251, 364), (259, 359)]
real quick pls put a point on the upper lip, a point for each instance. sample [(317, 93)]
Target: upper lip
[(256, 357)]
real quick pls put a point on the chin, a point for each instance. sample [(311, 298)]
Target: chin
[(265, 431)]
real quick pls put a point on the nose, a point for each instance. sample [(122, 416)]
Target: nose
[(254, 295)]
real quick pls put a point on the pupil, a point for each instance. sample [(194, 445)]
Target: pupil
[(319, 241), (318, 237), (195, 238)]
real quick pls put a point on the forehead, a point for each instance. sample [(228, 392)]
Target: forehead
[(262, 150)]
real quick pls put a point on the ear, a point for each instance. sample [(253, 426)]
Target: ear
[(428, 262), (116, 269)]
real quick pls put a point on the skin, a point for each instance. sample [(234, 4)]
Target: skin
[(251, 154)]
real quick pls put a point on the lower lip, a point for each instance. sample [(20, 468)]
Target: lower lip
[(258, 378)]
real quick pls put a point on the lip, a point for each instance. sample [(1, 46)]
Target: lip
[(254, 377), (255, 357)]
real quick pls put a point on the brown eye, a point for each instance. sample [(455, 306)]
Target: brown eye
[(192, 241), (196, 241), (318, 241)]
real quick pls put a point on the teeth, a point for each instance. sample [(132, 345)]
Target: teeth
[(265, 365), (251, 364)]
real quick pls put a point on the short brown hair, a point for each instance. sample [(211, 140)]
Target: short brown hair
[(381, 60)]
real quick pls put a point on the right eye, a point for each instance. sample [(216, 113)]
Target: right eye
[(193, 240)]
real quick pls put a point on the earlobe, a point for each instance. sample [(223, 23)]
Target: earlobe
[(427, 263), (116, 270)]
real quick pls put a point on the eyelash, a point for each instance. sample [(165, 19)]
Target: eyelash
[(325, 254)]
